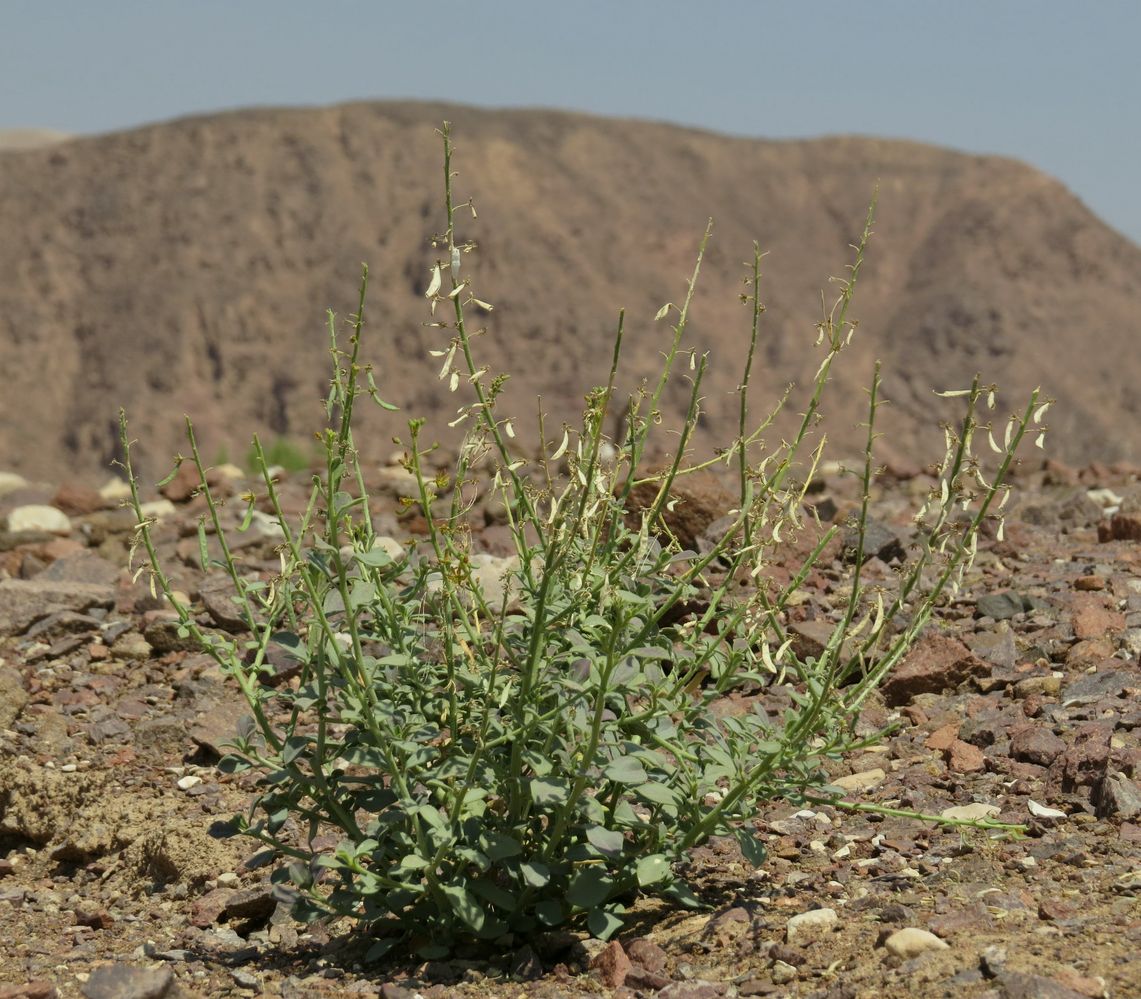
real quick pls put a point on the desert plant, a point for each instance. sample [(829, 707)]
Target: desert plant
[(493, 765)]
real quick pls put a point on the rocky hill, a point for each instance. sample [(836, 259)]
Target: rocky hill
[(186, 267)]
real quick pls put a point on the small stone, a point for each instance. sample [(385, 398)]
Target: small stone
[(1118, 797), (131, 646), (158, 509), (1092, 619), (863, 781), (1042, 812), (971, 813), (647, 953), (1035, 744), (246, 980), (115, 489), (1018, 985), (783, 973), (912, 941), (189, 781), (1001, 606), (810, 924), (10, 482), (963, 758), (611, 965), (78, 500), (934, 664), (39, 517), (121, 981)]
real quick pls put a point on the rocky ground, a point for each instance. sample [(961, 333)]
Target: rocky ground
[(1020, 702)]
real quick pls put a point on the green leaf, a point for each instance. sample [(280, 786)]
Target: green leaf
[(606, 841), (590, 887), (752, 848), (497, 896), (294, 746), (547, 793), (465, 905), (549, 912), (535, 874), (625, 770), (412, 862), (680, 892), (652, 869), (603, 924), (498, 846), (376, 558), (657, 794), (473, 856), (379, 949)]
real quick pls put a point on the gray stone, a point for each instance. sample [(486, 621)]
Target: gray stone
[(82, 567), (995, 647), (121, 981), (1118, 797), (25, 601), (1001, 606), (1018, 985), (879, 540)]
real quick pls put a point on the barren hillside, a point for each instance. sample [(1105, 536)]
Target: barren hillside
[(185, 268)]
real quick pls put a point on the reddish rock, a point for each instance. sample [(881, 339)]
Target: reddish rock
[(1088, 583), (1035, 744), (697, 501), (1084, 761), (647, 953), (1093, 619), (963, 758), (77, 500), (184, 484), (943, 738), (1121, 527), (207, 909), (936, 663), (611, 965)]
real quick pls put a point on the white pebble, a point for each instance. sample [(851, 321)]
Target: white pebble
[(39, 517), (189, 781), (977, 810), (810, 923), (911, 941)]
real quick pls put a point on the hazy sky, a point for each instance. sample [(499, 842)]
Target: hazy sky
[(1052, 82)]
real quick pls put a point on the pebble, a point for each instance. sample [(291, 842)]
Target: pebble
[(912, 941), (39, 517), (810, 923), (976, 810), (189, 781), (783, 973), (122, 981), (10, 482), (158, 509), (863, 781)]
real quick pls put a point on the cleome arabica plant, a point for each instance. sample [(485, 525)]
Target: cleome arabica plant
[(456, 761)]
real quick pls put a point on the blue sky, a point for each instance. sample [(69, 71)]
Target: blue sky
[(1050, 82)]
